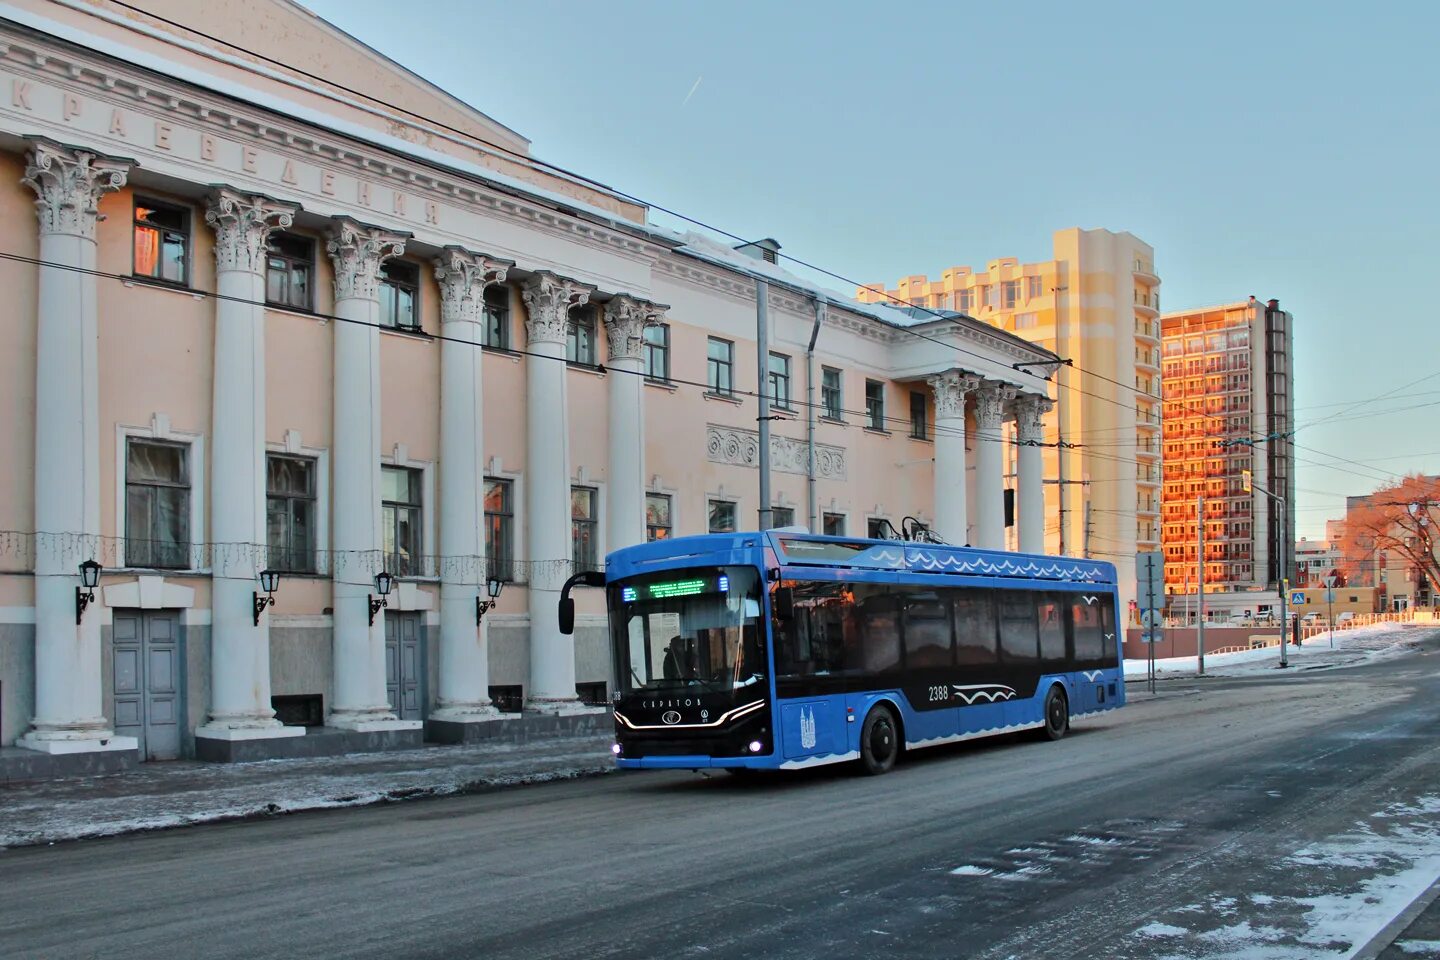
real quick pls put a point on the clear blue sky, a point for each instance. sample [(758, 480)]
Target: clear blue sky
[(1283, 150)]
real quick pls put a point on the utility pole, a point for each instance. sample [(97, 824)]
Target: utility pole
[(1200, 586), (762, 366), (1087, 525), (1060, 347)]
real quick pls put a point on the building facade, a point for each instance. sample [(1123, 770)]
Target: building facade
[(259, 323), (1229, 392), (1096, 304)]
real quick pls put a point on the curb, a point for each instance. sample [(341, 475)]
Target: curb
[(1391, 932)]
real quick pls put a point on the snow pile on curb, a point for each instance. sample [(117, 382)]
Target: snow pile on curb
[(1359, 645), (166, 796)]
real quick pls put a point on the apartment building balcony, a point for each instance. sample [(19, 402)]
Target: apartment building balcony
[(1147, 331), (1147, 311), (1147, 362), (1144, 271)]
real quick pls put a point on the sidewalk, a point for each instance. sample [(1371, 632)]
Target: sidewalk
[(160, 795), (1354, 646)]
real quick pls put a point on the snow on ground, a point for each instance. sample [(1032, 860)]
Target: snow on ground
[(1361, 880), (161, 795), (1358, 645)]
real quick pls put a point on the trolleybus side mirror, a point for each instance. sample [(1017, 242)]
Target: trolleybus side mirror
[(588, 578), (782, 602)]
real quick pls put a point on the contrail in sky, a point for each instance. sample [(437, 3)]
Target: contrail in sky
[(692, 91)]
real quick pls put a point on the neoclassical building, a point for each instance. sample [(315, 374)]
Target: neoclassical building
[(348, 333)]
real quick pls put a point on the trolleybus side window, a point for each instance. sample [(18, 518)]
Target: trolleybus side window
[(1052, 627), (1018, 637), (812, 642), (974, 627), (1086, 627), (1107, 627), (880, 635), (927, 632)]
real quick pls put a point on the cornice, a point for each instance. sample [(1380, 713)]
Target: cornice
[(41, 58)]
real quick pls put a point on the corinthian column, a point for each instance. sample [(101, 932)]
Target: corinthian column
[(464, 695), (625, 321), (240, 648), (359, 646), (1030, 410), (68, 184), (990, 401), (951, 388), (548, 301)]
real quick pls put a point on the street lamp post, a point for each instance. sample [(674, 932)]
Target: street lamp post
[(1281, 580)]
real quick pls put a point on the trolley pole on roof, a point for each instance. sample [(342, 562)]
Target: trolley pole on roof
[(762, 366)]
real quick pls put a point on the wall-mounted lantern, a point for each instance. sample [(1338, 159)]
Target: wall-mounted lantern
[(85, 594), (269, 581), (383, 581), (493, 586)]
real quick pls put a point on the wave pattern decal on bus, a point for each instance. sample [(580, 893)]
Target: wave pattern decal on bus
[(989, 692), (1008, 568)]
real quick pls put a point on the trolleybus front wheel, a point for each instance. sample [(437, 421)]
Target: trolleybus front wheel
[(879, 741), (1057, 714)]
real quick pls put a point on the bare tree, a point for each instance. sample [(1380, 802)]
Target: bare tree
[(1401, 519)]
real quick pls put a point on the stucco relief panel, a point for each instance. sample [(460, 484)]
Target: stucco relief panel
[(739, 447)]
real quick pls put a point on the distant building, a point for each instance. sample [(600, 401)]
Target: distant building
[(1228, 410), (1097, 304), (1314, 561)]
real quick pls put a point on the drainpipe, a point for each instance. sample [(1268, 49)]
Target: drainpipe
[(810, 505), (762, 367)]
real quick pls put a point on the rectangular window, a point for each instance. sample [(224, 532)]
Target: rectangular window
[(157, 504), (1019, 640), (496, 331), (832, 524), (779, 380), (658, 525), (399, 295), (162, 242), (1025, 321), (1052, 628), (880, 634), (875, 404), (580, 336), (584, 544), (290, 512), (974, 627), (927, 632), (919, 428), (500, 528), (722, 516), (1034, 287), (830, 403), (877, 528), (400, 520), (782, 516), (1009, 293), (657, 352), (290, 271), (720, 367), (965, 300)]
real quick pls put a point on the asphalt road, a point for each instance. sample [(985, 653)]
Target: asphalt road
[(1184, 826)]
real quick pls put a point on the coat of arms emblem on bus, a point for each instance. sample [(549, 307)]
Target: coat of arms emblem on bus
[(807, 728)]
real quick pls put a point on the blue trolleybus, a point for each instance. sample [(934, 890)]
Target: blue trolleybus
[(781, 649)]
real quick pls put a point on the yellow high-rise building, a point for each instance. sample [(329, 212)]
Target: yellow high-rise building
[(1097, 304)]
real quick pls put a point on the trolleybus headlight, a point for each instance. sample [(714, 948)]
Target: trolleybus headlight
[(615, 749), (756, 746)]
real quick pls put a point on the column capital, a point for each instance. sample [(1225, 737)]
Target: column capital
[(1030, 410), (625, 321), (951, 388), (359, 251), (463, 277), (990, 401), (68, 183), (243, 223), (548, 301)]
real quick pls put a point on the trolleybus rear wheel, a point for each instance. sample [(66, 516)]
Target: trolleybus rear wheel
[(879, 741), (1057, 714)]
